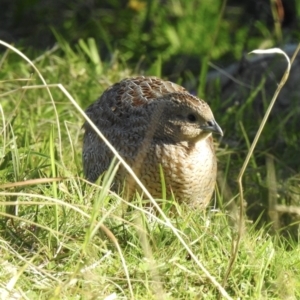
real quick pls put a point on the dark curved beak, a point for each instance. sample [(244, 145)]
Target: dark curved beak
[(212, 126)]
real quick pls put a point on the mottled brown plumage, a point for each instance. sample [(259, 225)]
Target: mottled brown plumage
[(152, 122)]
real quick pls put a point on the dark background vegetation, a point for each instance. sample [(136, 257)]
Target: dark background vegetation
[(138, 28), (172, 34)]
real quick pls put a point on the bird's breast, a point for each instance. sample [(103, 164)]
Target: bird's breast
[(189, 171)]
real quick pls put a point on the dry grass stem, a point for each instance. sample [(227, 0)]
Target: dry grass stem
[(235, 247)]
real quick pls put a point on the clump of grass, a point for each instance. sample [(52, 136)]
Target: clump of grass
[(66, 237)]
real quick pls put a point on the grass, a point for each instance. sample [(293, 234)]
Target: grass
[(68, 239)]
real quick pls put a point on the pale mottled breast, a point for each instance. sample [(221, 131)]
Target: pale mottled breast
[(189, 171)]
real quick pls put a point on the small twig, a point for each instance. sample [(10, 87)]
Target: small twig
[(31, 182)]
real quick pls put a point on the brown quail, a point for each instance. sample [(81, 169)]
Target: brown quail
[(154, 123)]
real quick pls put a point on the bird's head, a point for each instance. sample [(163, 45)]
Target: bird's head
[(186, 118)]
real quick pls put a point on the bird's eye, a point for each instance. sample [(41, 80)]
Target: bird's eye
[(191, 118)]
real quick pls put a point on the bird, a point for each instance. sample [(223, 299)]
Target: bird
[(162, 131)]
